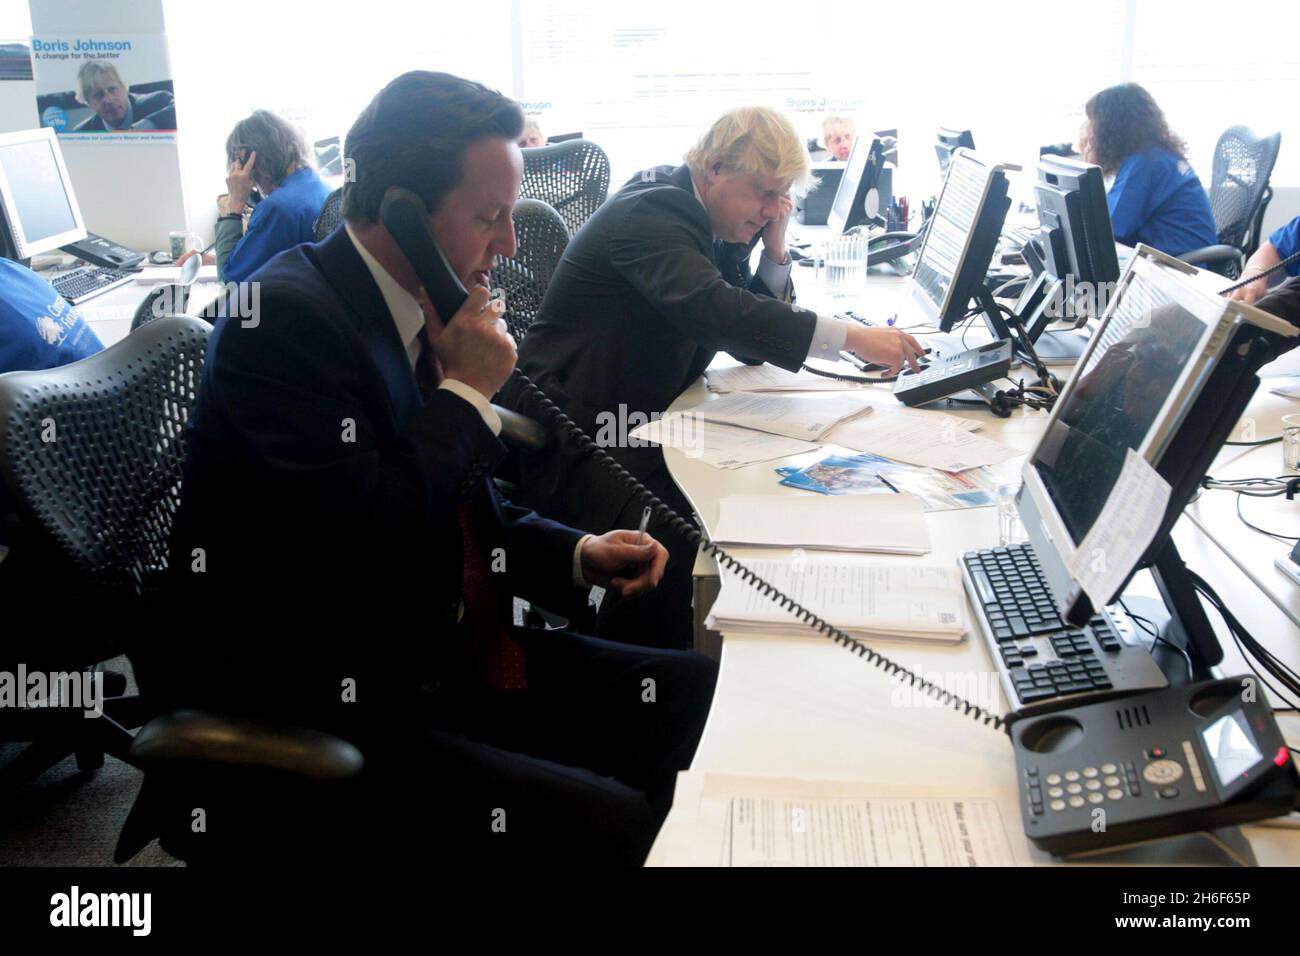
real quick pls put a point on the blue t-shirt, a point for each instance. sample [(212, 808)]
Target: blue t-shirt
[(1158, 199), (281, 221), (1286, 240), (38, 327)]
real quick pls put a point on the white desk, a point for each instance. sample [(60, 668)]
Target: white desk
[(797, 705), (126, 298)]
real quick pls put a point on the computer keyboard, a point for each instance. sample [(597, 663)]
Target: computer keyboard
[(1044, 664), (81, 284)]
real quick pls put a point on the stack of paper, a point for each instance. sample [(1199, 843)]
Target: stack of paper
[(891, 601), (890, 525), (770, 378), (805, 418)]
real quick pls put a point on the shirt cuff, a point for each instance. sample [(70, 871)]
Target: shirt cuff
[(828, 338), (578, 580), (475, 398), (774, 276)]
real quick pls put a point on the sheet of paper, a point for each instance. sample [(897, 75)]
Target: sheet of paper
[(935, 443), (947, 490), (722, 446), (732, 820), (106, 313), (793, 416), (901, 600), (893, 524), (1125, 528), (158, 274), (1287, 391), (770, 378)]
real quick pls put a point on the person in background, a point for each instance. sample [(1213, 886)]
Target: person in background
[(1156, 196), (532, 136), (1284, 242), (100, 87), (838, 133), (38, 328), (265, 152), (649, 290)]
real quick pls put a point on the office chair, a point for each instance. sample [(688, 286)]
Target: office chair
[(331, 214), (90, 454), (1239, 195), (542, 238), (572, 177), (169, 299)]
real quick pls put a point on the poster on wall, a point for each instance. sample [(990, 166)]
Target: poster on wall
[(105, 87)]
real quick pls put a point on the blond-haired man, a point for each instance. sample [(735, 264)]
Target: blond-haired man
[(651, 288), (838, 133), (100, 87)]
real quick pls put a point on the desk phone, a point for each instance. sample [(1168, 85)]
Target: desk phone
[(1163, 763)]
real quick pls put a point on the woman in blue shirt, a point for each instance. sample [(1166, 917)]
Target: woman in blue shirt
[(266, 152), (1156, 197)]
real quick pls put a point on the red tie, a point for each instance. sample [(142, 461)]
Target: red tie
[(501, 662)]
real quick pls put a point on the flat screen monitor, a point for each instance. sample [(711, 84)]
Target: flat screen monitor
[(961, 236), (1072, 199), (858, 199), (37, 203), (1164, 379), (949, 140)]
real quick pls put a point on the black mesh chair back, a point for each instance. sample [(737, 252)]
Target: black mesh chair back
[(1243, 163), (572, 177), (92, 451), (542, 237), (331, 214)]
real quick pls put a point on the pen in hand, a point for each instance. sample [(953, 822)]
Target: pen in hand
[(645, 520)]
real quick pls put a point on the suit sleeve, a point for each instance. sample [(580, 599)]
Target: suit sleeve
[(293, 403), (657, 250), (1284, 302)]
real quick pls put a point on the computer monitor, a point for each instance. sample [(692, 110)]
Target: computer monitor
[(38, 208), (1080, 265), (950, 140), (961, 236), (858, 198), (1161, 385)]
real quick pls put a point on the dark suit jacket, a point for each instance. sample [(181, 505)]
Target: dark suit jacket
[(641, 302), (142, 106), (324, 498), (1284, 301)]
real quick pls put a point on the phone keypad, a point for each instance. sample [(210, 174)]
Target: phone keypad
[(1075, 789)]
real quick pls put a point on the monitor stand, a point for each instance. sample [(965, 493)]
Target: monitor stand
[(1060, 347)]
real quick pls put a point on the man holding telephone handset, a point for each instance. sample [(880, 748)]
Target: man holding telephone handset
[(353, 560)]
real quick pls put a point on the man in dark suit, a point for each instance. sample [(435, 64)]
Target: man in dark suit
[(100, 87), (342, 549), (651, 288)]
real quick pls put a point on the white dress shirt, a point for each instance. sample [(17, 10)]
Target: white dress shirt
[(408, 317)]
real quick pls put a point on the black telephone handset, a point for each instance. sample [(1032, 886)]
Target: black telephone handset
[(405, 216)]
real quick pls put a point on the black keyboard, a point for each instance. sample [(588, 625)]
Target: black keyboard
[(1043, 663), (81, 284), (954, 373)]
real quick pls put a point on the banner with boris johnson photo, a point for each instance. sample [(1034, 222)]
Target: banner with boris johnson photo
[(105, 87)]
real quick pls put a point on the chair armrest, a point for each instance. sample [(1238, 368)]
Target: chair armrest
[(190, 737), (1216, 253)]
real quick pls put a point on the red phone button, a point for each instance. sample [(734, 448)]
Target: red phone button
[(1282, 756)]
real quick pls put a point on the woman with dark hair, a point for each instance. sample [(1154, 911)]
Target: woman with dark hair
[(1156, 196), (267, 153)]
